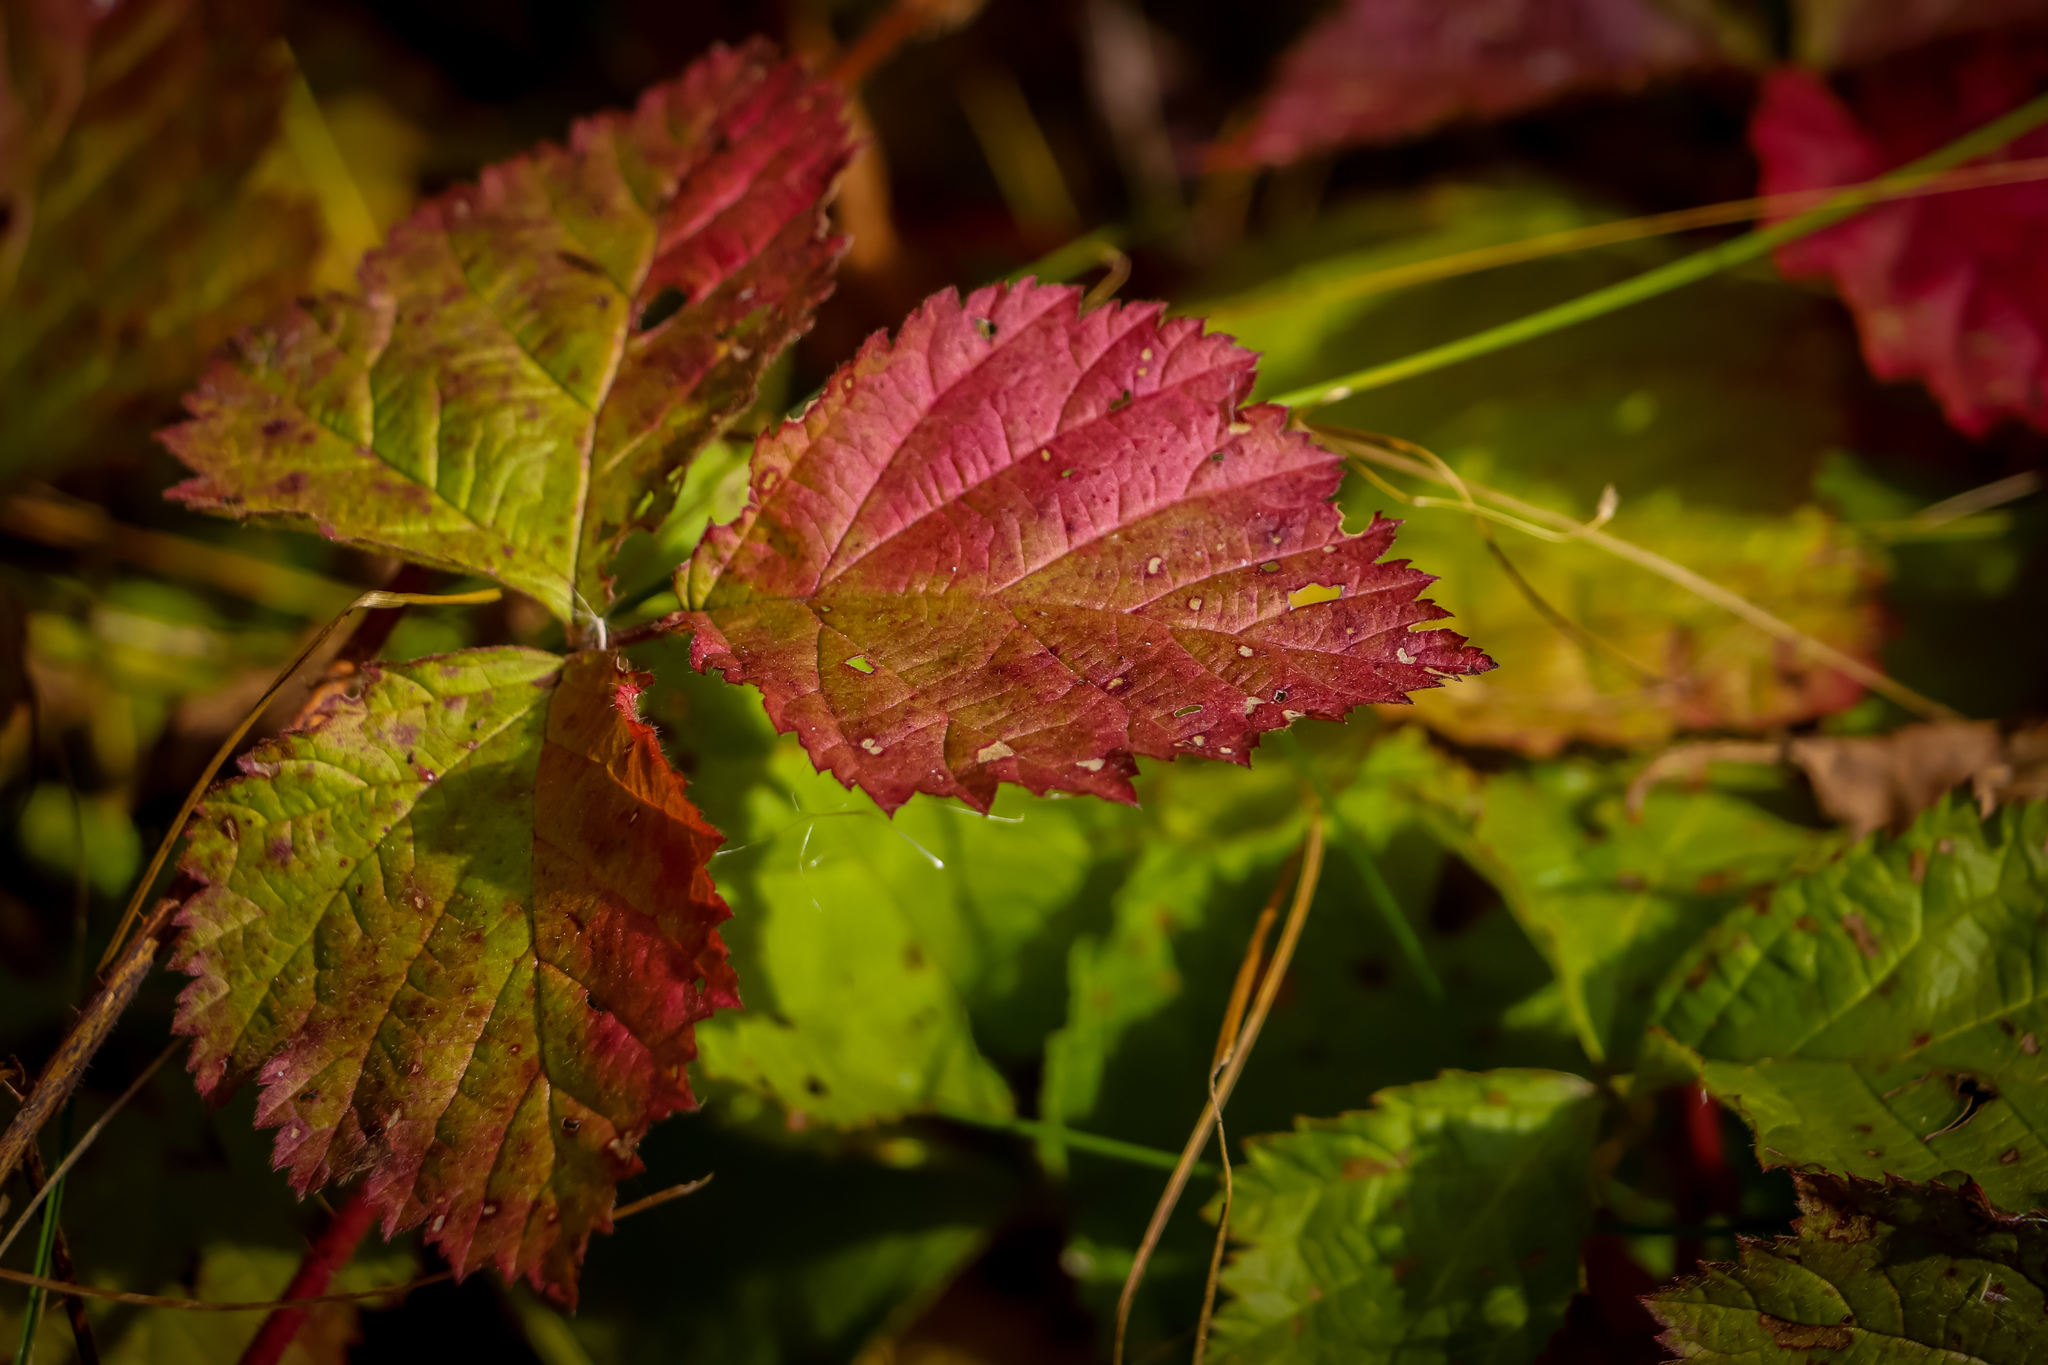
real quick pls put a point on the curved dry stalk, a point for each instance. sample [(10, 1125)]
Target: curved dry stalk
[(1233, 1067), (1556, 527), (267, 1305)]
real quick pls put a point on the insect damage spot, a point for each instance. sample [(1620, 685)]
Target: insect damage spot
[(666, 303), (859, 664), (1313, 593)]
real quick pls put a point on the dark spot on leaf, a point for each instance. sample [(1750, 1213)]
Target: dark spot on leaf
[(986, 327), (275, 427), (1365, 1168), (1859, 929), (1916, 866), (1711, 882), (230, 828), (814, 1086), (1187, 711), (1217, 457), (582, 263), (1279, 694), (666, 303), (1795, 1336), (571, 1125), (2011, 1155), (1122, 402)]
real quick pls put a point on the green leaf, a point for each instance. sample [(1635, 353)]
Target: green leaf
[(135, 237), (879, 951), (250, 1274), (1146, 991), (1884, 1015), (1440, 1225), (532, 358), (1612, 902), (1875, 1272), (459, 930)]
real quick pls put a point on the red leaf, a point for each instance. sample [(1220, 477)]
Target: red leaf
[(1951, 289), (459, 931), (1022, 544), (1382, 70), (534, 355)]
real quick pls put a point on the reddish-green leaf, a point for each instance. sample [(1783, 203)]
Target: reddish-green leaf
[(1949, 289), (532, 356), (1024, 544), (133, 236), (1381, 70), (459, 932)]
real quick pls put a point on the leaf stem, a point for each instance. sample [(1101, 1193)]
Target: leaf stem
[(1686, 270), (329, 1252)]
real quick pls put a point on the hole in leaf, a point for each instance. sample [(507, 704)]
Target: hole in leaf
[(986, 328), (1122, 402), (1314, 593), (1187, 711), (859, 664), (666, 303)]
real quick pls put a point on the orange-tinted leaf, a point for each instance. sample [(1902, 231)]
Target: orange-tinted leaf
[(459, 931), (532, 357), (1024, 544)]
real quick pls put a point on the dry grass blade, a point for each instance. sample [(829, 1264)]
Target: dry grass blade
[(91, 1136), (1626, 230), (1226, 1046), (1555, 526), (209, 1306), (1233, 1067)]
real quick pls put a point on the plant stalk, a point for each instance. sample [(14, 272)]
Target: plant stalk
[(330, 1251), (1686, 270)]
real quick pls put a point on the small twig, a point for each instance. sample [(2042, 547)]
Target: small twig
[(660, 1197), (1104, 289), (211, 1306), (898, 24), (328, 1253), (61, 1075), (1269, 988), (60, 1261), (1982, 499)]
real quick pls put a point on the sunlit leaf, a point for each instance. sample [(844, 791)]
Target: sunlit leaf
[(1613, 902), (1381, 70), (532, 358), (459, 931), (878, 949), (133, 239), (1890, 1272), (1020, 544), (1946, 289), (1440, 1225), (1884, 1015)]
